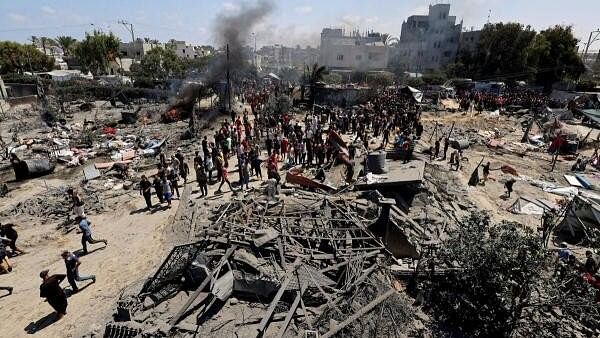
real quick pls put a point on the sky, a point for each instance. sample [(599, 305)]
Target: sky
[(292, 22)]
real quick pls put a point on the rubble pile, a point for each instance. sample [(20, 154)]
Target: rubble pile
[(53, 204), (305, 263)]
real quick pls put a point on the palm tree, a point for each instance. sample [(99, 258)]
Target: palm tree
[(66, 43), (312, 77), (47, 42)]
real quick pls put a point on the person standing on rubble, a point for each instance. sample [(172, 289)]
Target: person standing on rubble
[(436, 148), (72, 264), (255, 162), (86, 234), (486, 173), (508, 185), (54, 294), (145, 190)]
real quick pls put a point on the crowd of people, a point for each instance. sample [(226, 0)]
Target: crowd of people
[(480, 101)]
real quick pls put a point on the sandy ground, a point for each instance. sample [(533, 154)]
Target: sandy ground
[(135, 247), (138, 241)]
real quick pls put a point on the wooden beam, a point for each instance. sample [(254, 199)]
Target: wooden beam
[(286, 281), (359, 313), (204, 283)]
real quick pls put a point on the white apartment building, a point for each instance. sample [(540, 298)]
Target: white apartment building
[(429, 42), (364, 52)]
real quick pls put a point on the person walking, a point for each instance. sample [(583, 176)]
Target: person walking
[(202, 179), (224, 178), (86, 234), (77, 202), (173, 177), (145, 190), (167, 189), (156, 182), (54, 294), (72, 264)]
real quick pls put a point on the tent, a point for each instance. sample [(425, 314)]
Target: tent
[(582, 218), (416, 94), (526, 205)]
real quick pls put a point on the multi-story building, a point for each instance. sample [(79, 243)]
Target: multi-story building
[(429, 42), (469, 40), (138, 48), (364, 52)]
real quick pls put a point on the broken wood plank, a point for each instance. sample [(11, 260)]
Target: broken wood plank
[(359, 313), (204, 283), (286, 281)]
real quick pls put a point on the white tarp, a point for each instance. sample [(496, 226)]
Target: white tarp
[(531, 206)]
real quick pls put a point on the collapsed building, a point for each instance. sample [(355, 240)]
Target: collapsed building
[(305, 263)]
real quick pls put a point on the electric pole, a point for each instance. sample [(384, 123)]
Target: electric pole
[(596, 35), (129, 28)]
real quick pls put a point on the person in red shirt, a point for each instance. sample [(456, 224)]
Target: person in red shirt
[(284, 148), (224, 178)]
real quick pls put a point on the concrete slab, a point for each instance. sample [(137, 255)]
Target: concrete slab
[(398, 174)]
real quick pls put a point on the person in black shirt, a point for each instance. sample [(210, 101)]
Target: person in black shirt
[(8, 231), (72, 264), (145, 190), (590, 266), (54, 294), (158, 188), (205, 147)]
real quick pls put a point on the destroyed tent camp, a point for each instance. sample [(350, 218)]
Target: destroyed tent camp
[(301, 259), (582, 219)]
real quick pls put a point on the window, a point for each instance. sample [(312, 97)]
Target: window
[(447, 53), (358, 57), (183, 51), (340, 57)]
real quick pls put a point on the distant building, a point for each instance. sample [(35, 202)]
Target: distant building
[(138, 48), (356, 51), (469, 40), (429, 42)]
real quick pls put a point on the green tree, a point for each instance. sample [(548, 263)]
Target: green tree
[(18, 58), (501, 281), (358, 76), (66, 43), (553, 56), (159, 64), (96, 51), (289, 75), (333, 79), (312, 77), (501, 52), (46, 43), (382, 79)]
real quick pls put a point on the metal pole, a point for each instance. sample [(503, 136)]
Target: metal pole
[(590, 41)]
